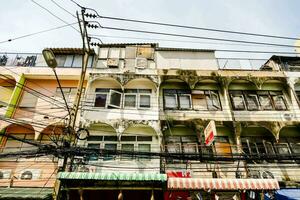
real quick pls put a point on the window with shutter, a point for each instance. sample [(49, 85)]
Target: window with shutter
[(222, 146), (252, 100), (237, 100)]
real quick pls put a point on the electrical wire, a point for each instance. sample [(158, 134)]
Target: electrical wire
[(196, 37), (244, 51), (58, 5), (44, 88), (170, 40), (36, 33), (186, 27), (33, 91), (181, 26), (51, 13)]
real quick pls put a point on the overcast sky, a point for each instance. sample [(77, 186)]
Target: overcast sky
[(275, 17)]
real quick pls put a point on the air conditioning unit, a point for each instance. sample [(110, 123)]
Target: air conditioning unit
[(113, 62), (29, 174), (141, 63), (5, 173)]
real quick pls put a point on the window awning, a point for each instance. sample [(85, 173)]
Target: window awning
[(112, 176), (222, 184), (26, 193)]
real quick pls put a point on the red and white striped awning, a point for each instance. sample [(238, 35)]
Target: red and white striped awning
[(222, 184)]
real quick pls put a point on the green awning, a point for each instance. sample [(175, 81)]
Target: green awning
[(113, 176), (26, 193)]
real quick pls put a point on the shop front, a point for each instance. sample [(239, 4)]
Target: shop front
[(111, 185), (217, 188)]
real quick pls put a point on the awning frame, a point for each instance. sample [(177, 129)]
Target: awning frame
[(221, 184)]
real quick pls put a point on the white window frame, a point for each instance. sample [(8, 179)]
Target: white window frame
[(174, 144), (243, 99), (210, 95), (257, 100), (190, 99), (136, 100), (106, 102), (193, 144), (272, 147), (139, 98), (176, 102), (283, 100), (109, 98), (276, 145), (270, 100)]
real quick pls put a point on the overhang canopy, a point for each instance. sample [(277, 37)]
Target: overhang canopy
[(26, 193), (113, 176), (222, 184)]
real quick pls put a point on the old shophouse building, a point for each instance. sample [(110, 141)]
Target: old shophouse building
[(154, 103)]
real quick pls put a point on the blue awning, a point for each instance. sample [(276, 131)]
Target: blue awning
[(287, 194)]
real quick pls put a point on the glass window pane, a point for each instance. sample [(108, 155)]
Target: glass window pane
[(102, 90), (279, 102), (252, 102), (145, 101), (144, 138), (265, 102), (174, 148), (131, 91), (269, 148), (144, 148), (170, 101), (111, 147), (100, 100), (173, 139), (296, 148), (94, 138), (189, 139), (127, 147), (130, 101), (237, 101), (282, 149), (110, 138), (94, 156), (199, 101), (215, 101), (261, 148), (245, 148), (128, 138), (145, 91), (185, 101), (190, 148), (115, 98)]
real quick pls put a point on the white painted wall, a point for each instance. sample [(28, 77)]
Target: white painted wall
[(186, 60)]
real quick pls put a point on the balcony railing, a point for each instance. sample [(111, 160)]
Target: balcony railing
[(36, 59), (240, 64)]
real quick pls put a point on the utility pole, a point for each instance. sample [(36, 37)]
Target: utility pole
[(74, 111)]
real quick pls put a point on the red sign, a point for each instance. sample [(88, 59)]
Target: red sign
[(210, 132)]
